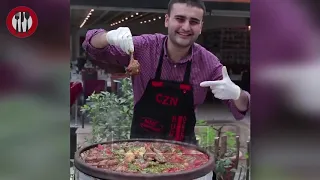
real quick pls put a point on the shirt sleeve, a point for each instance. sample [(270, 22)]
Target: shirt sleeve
[(217, 75), (114, 54)]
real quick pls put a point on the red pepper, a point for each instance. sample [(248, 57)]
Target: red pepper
[(197, 163), (100, 147), (108, 151), (177, 159)]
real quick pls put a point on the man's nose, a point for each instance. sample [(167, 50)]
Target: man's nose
[(186, 26)]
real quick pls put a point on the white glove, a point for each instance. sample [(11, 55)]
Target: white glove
[(121, 37), (223, 89)]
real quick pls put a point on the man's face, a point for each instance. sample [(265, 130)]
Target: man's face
[(184, 24)]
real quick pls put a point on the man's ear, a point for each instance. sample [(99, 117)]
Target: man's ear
[(166, 20)]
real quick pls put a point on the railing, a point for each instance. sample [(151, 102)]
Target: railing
[(229, 166)]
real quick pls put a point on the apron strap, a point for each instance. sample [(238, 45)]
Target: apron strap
[(186, 79), (159, 68)]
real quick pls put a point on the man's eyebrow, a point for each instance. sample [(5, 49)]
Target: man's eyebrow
[(181, 16), (193, 19)]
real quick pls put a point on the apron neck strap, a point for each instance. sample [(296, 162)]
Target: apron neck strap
[(186, 78), (159, 68)]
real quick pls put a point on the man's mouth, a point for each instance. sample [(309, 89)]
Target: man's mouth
[(184, 34)]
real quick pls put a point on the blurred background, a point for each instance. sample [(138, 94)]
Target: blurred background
[(285, 102)]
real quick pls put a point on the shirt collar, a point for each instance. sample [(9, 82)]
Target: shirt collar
[(185, 59)]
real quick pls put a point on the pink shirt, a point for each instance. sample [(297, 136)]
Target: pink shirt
[(147, 48)]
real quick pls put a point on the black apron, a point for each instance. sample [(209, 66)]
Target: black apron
[(166, 109)]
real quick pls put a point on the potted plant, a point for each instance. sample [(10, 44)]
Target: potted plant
[(110, 114), (209, 137)]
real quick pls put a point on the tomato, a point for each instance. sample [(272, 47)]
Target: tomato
[(197, 162), (189, 167), (108, 151), (100, 147), (177, 159)]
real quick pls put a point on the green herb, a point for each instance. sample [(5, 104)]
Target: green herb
[(133, 167), (159, 168)]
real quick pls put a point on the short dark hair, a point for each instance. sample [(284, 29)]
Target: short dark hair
[(194, 3)]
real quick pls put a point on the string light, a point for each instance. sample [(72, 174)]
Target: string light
[(133, 15), (150, 20), (86, 19), (125, 19)]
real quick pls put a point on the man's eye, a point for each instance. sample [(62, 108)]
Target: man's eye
[(194, 22), (180, 19)]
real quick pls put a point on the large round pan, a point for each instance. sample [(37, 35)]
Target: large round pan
[(113, 175)]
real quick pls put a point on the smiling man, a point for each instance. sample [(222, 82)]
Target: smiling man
[(175, 73)]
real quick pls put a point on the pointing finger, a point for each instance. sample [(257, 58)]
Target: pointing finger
[(211, 83)]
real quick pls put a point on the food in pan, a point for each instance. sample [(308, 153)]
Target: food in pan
[(144, 157)]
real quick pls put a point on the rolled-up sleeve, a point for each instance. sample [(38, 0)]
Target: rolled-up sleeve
[(237, 114), (111, 54)]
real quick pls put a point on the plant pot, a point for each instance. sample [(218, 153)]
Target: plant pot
[(229, 174), (88, 172)]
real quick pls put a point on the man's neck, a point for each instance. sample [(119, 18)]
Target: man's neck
[(176, 53)]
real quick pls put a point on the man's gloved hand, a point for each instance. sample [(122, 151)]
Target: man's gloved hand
[(121, 37), (223, 89)]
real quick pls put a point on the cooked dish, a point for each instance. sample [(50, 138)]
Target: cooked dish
[(144, 157)]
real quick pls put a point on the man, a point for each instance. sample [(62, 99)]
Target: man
[(174, 73)]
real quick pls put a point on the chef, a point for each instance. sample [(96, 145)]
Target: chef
[(174, 73)]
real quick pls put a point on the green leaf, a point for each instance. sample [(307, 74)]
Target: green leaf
[(109, 114)]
